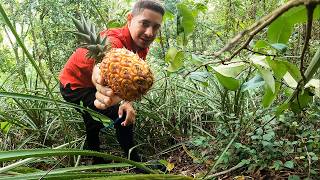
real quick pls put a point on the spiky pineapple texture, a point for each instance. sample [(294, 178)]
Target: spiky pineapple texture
[(126, 74)]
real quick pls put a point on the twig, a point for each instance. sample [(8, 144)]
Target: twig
[(309, 158), (212, 169), (310, 7), (52, 168), (239, 165), (255, 52)]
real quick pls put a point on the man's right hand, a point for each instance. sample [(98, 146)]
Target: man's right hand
[(105, 96)]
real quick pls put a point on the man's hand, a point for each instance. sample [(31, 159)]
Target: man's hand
[(105, 96), (130, 113)]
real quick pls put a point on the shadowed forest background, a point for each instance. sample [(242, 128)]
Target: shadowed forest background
[(236, 96)]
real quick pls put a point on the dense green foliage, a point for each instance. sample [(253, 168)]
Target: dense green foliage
[(237, 91)]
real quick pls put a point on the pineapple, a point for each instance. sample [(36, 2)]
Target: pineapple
[(123, 71)]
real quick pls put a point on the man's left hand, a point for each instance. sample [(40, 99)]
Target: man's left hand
[(130, 113)]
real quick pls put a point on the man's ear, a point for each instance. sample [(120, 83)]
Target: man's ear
[(129, 17)]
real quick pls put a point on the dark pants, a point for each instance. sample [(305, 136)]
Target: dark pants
[(86, 96)]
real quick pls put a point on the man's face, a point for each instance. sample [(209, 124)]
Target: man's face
[(144, 26)]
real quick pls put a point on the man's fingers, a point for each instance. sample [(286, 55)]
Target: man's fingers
[(130, 118), (103, 99), (99, 105), (104, 90)]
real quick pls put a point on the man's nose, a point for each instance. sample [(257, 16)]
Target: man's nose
[(149, 32)]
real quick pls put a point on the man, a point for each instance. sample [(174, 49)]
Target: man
[(80, 81)]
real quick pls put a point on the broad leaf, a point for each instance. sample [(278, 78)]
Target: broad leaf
[(261, 44), (259, 60), (277, 165), (253, 83), (290, 81), (269, 96), (199, 76), (302, 101), (168, 16), (293, 70), (282, 108), (280, 47), (196, 60), (268, 78), (289, 164), (228, 82), (230, 70), (201, 7), (176, 63), (280, 31), (299, 14), (314, 84), (279, 69), (171, 54), (188, 21), (294, 177)]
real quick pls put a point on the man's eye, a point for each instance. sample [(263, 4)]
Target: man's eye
[(145, 24)]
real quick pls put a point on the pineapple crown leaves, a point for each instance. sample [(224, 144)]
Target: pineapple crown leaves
[(92, 40)]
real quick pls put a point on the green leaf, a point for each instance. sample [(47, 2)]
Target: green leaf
[(279, 31), (269, 96), (230, 70), (279, 69), (280, 47), (68, 170), (277, 165), (296, 15), (314, 85), (20, 154), (259, 60), (228, 82), (196, 60), (260, 44), (168, 16), (299, 14), (5, 127), (281, 108), (171, 54), (291, 82), (268, 137), (302, 101), (293, 70), (293, 177), (61, 104), (113, 24), (253, 83), (201, 7), (268, 78), (289, 164), (188, 21), (199, 76), (177, 62)]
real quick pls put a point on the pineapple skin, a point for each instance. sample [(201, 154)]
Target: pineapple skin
[(126, 74)]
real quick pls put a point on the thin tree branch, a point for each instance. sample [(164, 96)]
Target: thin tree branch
[(255, 52), (310, 8)]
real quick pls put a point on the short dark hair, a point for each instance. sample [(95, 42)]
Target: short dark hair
[(154, 5)]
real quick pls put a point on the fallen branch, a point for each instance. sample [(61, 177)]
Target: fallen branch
[(239, 165)]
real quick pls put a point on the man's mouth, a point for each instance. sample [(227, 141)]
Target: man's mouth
[(146, 40)]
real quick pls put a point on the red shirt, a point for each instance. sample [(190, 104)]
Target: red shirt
[(78, 69)]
